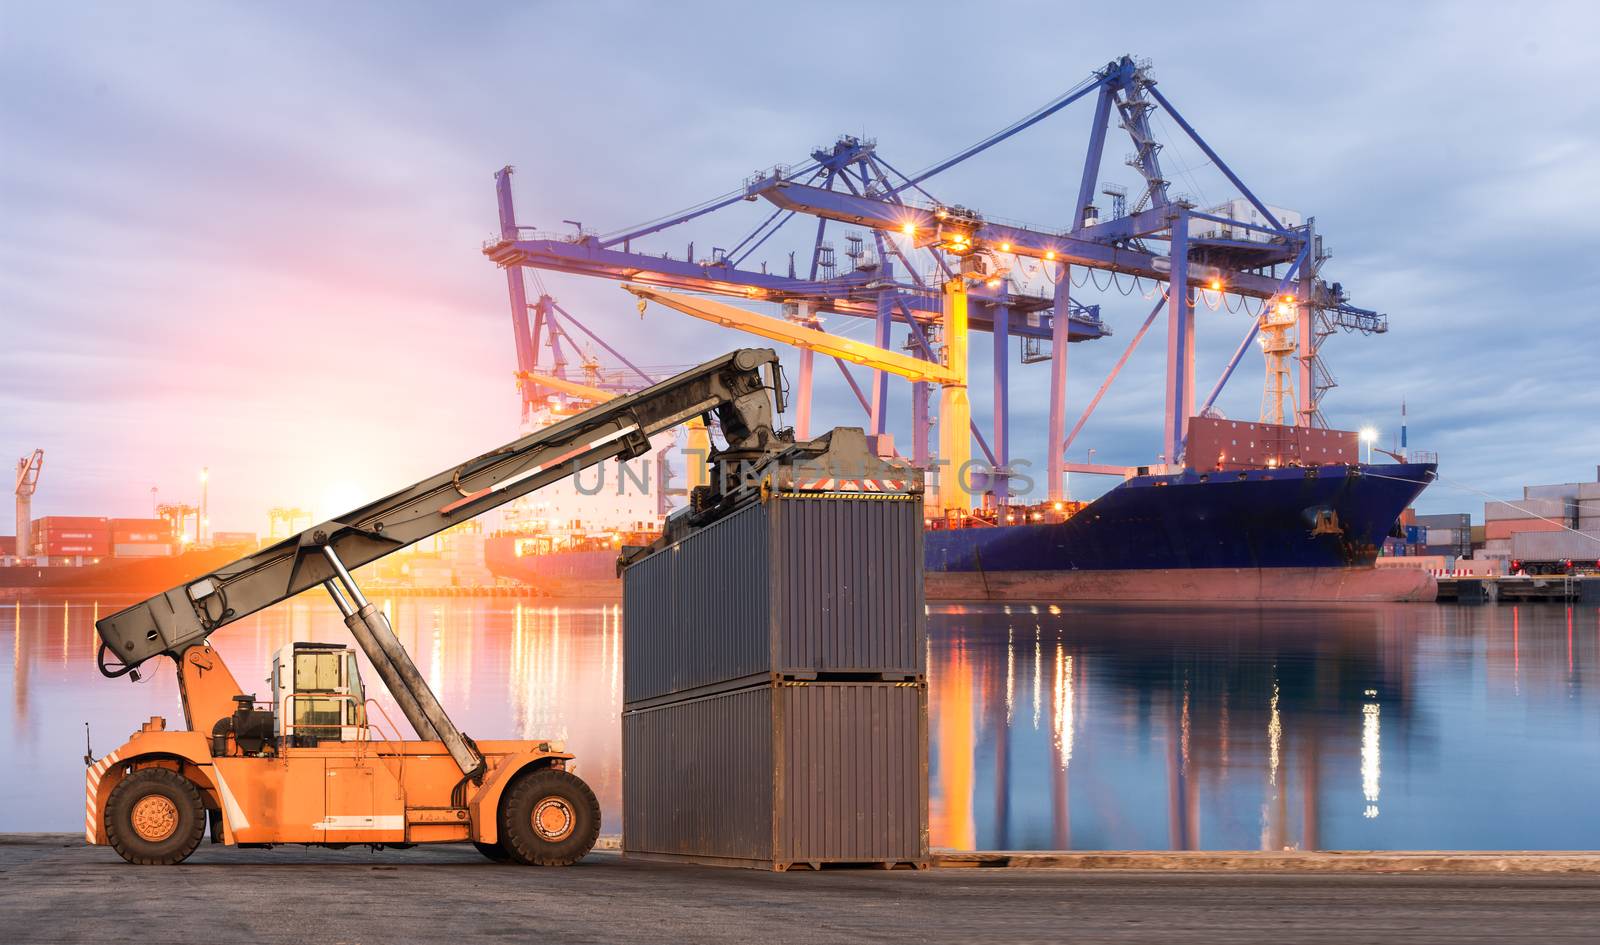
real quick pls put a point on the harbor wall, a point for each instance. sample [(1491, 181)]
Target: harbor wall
[(1188, 584)]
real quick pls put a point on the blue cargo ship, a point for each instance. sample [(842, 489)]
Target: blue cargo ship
[(1288, 533)]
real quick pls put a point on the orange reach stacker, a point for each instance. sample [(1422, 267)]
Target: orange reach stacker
[(310, 765)]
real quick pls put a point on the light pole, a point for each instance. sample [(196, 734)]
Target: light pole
[(202, 520), (1369, 436)]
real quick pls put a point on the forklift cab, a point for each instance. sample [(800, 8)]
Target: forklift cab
[(317, 694)]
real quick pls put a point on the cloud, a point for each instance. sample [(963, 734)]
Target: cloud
[(248, 236)]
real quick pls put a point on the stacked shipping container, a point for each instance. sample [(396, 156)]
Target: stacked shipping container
[(775, 695), (1447, 534), (235, 539), (1216, 444), (140, 537), (65, 536), (85, 536), (1551, 524)]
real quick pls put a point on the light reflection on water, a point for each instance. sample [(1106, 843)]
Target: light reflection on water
[(1355, 727), (1051, 727)]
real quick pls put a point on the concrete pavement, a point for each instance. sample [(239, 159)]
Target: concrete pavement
[(53, 888)]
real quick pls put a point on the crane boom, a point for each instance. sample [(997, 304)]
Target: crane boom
[(776, 329), (743, 389)]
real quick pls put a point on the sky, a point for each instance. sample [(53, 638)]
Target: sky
[(247, 237)]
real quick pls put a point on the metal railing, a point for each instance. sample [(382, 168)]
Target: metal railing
[(289, 726)]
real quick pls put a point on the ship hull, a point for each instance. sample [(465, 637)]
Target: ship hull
[(577, 574), (1188, 584), (1268, 534), (140, 577)]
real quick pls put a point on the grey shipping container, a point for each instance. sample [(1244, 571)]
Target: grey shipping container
[(779, 775), (1555, 546), (1434, 536), (1452, 520), (141, 550), (1527, 508), (1558, 490), (798, 585)]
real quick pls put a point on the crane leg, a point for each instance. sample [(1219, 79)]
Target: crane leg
[(400, 675)]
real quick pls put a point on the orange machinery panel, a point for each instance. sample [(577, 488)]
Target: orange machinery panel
[(1216, 444), (275, 800), (364, 802)]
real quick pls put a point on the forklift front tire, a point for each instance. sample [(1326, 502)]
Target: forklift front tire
[(549, 817), (155, 817)]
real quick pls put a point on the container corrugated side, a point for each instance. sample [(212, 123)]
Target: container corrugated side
[(140, 525), (1502, 529), (697, 613), (697, 777), (70, 522), (800, 584), (1556, 490), (855, 777), (135, 537), (848, 592), (1528, 508), (780, 774), (1555, 546), (69, 547), (141, 550)]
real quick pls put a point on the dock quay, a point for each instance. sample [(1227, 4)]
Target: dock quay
[(297, 894), (1558, 588)]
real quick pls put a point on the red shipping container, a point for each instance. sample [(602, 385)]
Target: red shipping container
[(75, 551), (1235, 444), (69, 534), (1506, 527), (128, 531), (70, 521), (142, 536)]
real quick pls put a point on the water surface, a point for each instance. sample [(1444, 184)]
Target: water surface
[(1399, 726)]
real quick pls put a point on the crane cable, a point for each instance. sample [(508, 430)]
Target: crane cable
[(1491, 498)]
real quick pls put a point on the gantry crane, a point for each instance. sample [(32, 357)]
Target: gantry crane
[(28, 469), (1228, 257), (176, 515), (288, 517), (312, 766), (875, 288)]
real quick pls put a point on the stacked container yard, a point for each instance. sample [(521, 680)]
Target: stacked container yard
[(775, 693), (1551, 526), (140, 537), (1582, 548), (235, 540), (1447, 534), (71, 536)]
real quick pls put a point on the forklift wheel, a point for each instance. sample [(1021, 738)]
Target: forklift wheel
[(549, 817), (155, 817), (493, 851)]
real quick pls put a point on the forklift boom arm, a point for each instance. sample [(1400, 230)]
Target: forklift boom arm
[(744, 389), (736, 387)]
